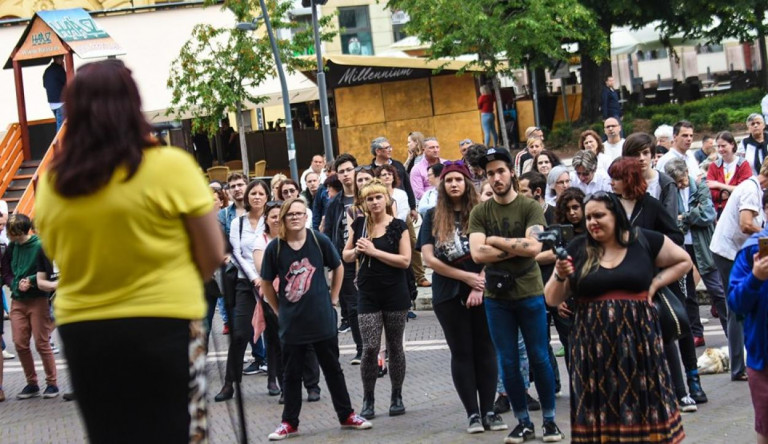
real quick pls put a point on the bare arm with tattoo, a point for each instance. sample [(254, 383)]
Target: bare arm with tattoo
[(483, 253), (528, 246)]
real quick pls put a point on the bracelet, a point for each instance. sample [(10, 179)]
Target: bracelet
[(557, 277)]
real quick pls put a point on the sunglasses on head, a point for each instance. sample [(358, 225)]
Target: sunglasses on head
[(600, 195), (274, 204), (363, 168), (457, 163)]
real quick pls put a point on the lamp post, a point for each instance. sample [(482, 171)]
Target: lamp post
[(325, 118), (251, 26)]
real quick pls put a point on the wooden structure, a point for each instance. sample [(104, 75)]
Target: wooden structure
[(393, 96), (55, 33)]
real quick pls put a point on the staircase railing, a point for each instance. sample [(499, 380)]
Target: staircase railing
[(26, 204), (11, 156)]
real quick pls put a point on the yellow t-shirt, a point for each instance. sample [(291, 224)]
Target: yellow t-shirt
[(123, 251)]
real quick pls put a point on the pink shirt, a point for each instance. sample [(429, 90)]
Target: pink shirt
[(419, 182)]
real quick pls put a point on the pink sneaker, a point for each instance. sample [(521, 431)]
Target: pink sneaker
[(283, 431), (355, 421)]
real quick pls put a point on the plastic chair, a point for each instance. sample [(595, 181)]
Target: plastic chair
[(220, 173), (259, 168)]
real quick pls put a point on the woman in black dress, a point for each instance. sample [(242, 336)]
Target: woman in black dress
[(457, 297), (621, 388), (383, 254)]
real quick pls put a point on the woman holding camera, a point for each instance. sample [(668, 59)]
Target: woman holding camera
[(457, 297), (621, 388)]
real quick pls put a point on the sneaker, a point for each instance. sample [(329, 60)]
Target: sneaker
[(357, 422), (263, 368), (698, 341), (687, 404), (411, 314), (552, 433), (313, 395), (356, 360), (30, 391), (493, 422), (225, 330), (51, 392), (54, 349), (284, 430), (560, 352), (533, 404), (344, 327), (8, 355), (253, 369), (475, 425), (69, 396), (502, 404), (521, 433)]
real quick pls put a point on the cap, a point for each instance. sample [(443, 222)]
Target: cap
[(455, 167), (495, 154)]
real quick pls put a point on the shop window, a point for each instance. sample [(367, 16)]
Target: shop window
[(355, 25)]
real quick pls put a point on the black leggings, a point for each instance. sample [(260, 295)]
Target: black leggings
[(371, 324), (275, 370), (473, 358), (241, 334), (157, 364), (685, 345)]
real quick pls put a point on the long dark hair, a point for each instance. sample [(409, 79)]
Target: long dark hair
[(105, 129), (443, 226), (622, 227), (561, 207)]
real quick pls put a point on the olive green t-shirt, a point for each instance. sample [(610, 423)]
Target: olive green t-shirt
[(511, 221)]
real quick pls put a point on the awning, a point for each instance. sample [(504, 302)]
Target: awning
[(52, 33)]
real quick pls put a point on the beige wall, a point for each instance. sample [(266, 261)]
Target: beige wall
[(381, 24)]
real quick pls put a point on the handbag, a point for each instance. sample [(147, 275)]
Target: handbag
[(672, 315)]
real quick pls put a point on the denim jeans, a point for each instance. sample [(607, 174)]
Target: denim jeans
[(527, 316), (488, 121), (59, 114), (524, 367)]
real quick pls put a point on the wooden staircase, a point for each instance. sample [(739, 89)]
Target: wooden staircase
[(18, 177)]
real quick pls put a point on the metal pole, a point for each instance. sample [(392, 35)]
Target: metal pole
[(535, 96), (325, 119), (286, 98)]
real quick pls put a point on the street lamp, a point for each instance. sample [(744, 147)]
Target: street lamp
[(325, 118), (251, 26)]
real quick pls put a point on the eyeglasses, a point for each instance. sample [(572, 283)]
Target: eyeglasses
[(363, 168), (563, 182), (274, 204), (465, 142), (389, 147), (289, 191), (295, 215)]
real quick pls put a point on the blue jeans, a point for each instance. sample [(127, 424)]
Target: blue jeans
[(59, 114), (527, 316), (488, 120), (524, 367)]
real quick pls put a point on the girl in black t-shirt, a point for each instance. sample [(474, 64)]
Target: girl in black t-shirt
[(383, 253)]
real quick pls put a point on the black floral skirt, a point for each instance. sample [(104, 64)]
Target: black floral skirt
[(621, 389)]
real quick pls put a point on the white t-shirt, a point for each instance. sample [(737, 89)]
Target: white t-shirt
[(600, 182), (690, 162), (654, 189), (729, 169), (401, 198), (242, 247), (613, 150), (728, 238), (603, 162)]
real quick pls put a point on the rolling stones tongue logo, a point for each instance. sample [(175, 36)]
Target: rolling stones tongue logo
[(298, 280)]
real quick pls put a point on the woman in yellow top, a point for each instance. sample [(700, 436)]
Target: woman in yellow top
[(133, 230)]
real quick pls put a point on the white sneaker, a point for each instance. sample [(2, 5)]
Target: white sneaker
[(8, 355), (687, 404)]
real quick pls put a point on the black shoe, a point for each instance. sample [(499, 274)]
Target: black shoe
[(382, 371), (226, 393), (29, 391), (356, 360), (344, 327), (273, 389), (69, 396), (533, 404), (313, 395), (281, 401), (501, 405), (51, 392), (694, 387), (368, 411), (254, 368), (396, 408), (521, 433), (551, 432)]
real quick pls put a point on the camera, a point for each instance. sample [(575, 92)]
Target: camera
[(556, 237)]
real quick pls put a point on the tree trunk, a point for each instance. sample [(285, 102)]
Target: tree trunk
[(763, 79), (500, 112), (593, 77), (241, 133)]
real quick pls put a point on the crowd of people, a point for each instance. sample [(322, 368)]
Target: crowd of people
[(516, 242)]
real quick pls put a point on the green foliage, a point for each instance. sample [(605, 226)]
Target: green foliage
[(628, 126), (218, 68), (734, 100), (597, 127), (504, 34), (561, 134), (740, 115), (718, 120), (699, 119), (661, 119)]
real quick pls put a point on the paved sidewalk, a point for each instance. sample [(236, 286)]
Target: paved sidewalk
[(434, 413)]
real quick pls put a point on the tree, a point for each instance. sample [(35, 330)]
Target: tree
[(218, 68), (715, 21), (504, 34)]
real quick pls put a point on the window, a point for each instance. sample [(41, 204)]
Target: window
[(355, 27), (708, 49), (398, 33), (653, 54), (399, 19)]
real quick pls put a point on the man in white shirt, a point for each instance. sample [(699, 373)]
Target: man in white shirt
[(317, 166), (585, 175), (614, 142), (682, 134)]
